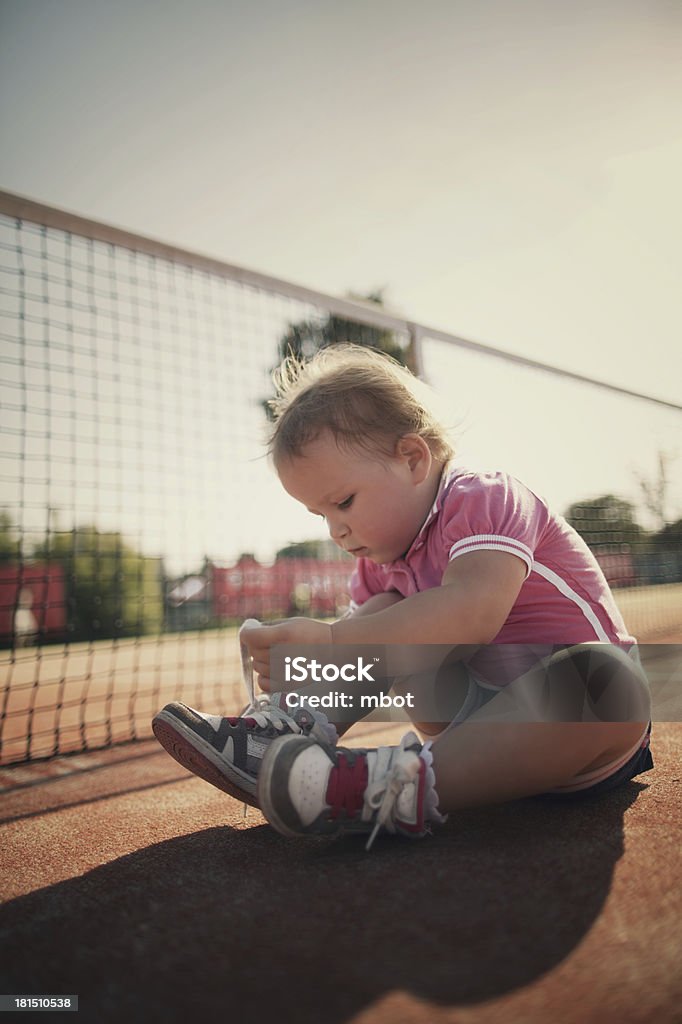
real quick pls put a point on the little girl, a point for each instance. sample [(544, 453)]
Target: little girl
[(444, 556)]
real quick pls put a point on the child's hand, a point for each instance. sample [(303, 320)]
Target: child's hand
[(259, 640)]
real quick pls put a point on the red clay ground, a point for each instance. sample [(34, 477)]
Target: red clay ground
[(144, 891)]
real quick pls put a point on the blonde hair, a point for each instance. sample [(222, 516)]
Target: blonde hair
[(363, 397)]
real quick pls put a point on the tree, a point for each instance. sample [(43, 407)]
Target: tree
[(669, 538), (606, 522), (302, 549), (655, 491), (306, 337), (9, 547), (113, 590)]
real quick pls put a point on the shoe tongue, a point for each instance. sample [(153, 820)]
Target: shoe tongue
[(406, 808), (381, 762)]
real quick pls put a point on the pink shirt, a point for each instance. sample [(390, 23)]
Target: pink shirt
[(564, 598)]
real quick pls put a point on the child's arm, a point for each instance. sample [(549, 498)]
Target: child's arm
[(373, 604), (301, 630), (470, 607)]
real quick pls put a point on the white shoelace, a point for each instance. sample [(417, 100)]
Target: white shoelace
[(247, 667), (261, 709), (382, 794), (265, 713)]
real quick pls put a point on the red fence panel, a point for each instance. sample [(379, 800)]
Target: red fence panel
[(32, 603)]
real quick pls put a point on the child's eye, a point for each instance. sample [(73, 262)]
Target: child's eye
[(346, 503)]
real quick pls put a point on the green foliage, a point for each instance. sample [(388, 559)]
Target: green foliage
[(301, 549), (9, 547), (669, 538), (655, 489), (305, 338), (607, 523), (112, 589)]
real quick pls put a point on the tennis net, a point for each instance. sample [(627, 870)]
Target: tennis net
[(139, 520)]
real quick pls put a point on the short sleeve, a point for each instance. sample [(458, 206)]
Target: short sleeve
[(365, 582), (492, 512)]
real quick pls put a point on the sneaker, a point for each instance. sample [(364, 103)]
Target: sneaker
[(307, 788), (228, 752)]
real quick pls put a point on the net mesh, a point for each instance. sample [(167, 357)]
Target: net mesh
[(140, 519)]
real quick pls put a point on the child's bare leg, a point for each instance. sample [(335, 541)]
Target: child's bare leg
[(485, 762), (435, 697), (489, 760), (497, 753), (542, 731)]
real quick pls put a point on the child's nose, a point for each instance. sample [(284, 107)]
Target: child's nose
[(337, 530)]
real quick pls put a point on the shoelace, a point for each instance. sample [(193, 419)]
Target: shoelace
[(247, 677), (381, 795), (260, 709), (261, 712), (264, 713), (247, 667)]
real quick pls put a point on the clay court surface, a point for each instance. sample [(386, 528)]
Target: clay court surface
[(147, 893)]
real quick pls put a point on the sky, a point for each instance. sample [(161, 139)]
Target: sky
[(507, 172)]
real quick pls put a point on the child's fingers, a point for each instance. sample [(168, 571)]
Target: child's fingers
[(261, 666), (256, 637), (259, 639), (265, 684)]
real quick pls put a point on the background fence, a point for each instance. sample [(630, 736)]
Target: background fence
[(139, 520)]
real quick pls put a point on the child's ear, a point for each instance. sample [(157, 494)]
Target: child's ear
[(417, 454)]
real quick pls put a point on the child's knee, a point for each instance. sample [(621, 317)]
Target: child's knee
[(438, 696), (608, 742), (595, 683)]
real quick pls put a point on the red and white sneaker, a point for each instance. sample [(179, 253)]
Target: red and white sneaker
[(308, 788)]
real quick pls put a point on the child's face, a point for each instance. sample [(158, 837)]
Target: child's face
[(374, 506)]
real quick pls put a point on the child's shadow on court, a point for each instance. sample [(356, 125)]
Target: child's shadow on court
[(244, 924)]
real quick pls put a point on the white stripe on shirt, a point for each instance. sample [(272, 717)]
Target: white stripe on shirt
[(563, 588), (493, 542)]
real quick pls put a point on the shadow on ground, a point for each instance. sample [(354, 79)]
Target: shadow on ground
[(243, 924)]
